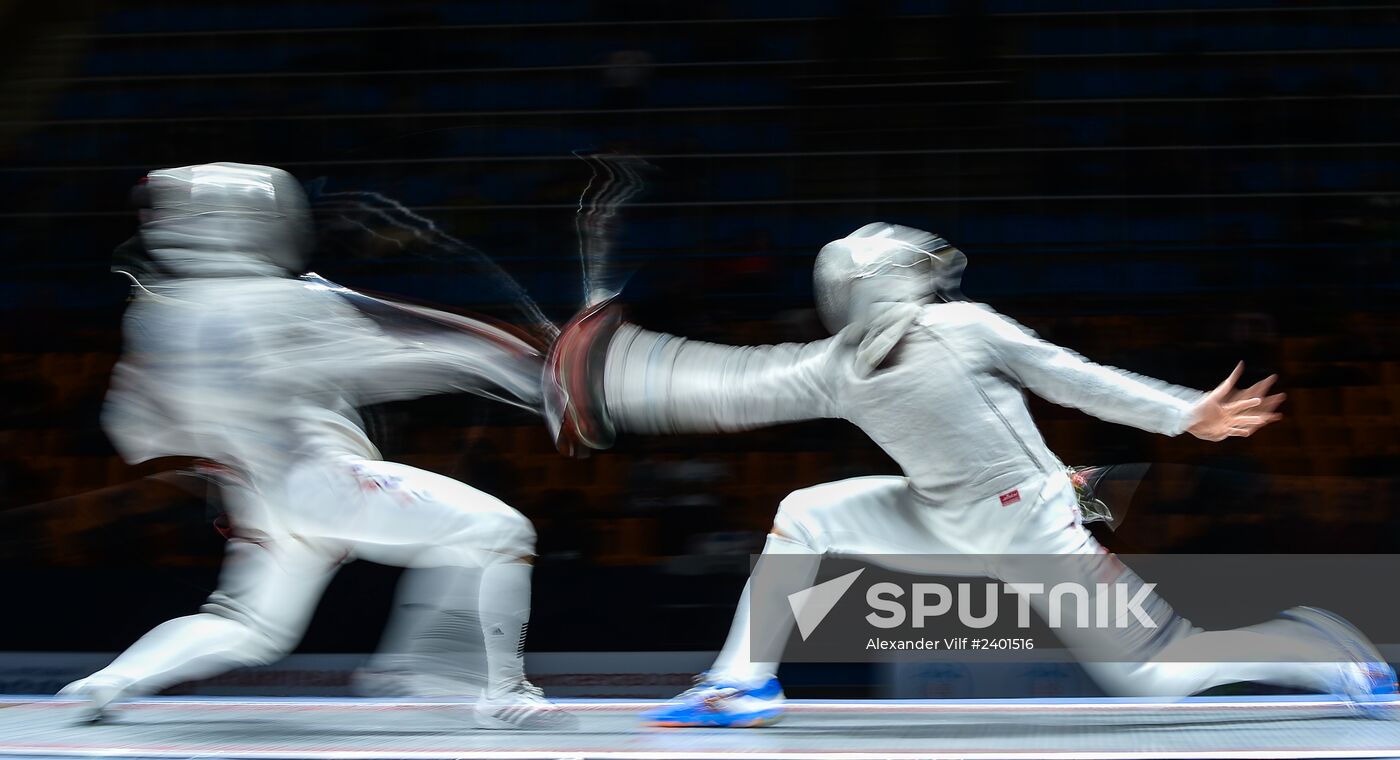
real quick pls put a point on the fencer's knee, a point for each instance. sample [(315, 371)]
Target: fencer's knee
[(795, 521), (265, 649), (489, 537), (258, 641), (518, 538)]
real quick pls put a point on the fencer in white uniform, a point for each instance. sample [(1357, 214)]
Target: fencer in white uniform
[(937, 382), (229, 357)]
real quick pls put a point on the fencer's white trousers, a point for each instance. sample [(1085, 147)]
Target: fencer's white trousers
[(880, 518), (330, 512)]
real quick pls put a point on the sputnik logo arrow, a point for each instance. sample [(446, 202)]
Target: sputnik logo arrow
[(810, 606)]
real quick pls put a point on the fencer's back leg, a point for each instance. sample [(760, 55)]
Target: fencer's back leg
[(266, 596)]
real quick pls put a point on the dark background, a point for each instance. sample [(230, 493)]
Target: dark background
[(1163, 185)]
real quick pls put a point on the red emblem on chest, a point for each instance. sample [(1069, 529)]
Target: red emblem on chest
[(1010, 497)]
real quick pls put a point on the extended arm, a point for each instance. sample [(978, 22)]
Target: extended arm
[(1066, 378), (603, 375), (659, 383), (383, 350)]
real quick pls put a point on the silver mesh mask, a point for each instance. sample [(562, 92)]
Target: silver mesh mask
[(884, 263), (225, 219)]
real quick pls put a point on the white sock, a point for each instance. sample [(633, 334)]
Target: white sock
[(505, 614)]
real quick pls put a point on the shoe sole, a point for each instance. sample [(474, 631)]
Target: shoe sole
[(560, 723), (759, 722), (91, 711), (93, 718)]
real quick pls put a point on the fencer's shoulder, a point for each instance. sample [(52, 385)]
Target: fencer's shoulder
[(958, 313), (974, 321)]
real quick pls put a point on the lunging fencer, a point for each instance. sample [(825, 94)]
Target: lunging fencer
[(229, 357), (937, 382)]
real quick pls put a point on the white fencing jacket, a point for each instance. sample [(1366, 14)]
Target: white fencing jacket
[(939, 387), (260, 372)]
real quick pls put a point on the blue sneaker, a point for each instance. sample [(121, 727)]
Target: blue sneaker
[(1367, 679), (721, 704)]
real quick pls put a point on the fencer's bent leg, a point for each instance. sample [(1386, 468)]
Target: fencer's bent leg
[(267, 593), (844, 516), (735, 663), (872, 515), (400, 515)]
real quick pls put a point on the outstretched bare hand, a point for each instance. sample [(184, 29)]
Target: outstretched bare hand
[(1226, 412)]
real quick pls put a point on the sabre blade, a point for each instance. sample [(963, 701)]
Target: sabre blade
[(615, 180)]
